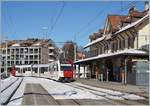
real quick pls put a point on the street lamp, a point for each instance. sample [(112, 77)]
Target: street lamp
[(75, 51), (22, 62), (6, 56)]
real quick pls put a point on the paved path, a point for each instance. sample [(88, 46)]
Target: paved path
[(139, 90), (37, 95)]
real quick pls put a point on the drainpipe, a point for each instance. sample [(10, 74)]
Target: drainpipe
[(125, 74), (79, 71)]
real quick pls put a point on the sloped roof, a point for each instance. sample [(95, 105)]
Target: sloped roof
[(97, 35), (133, 24), (117, 20), (122, 29), (9, 43), (28, 42), (136, 13)]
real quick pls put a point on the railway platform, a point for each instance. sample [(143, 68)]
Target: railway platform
[(138, 90)]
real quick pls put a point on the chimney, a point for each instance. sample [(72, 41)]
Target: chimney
[(133, 8), (146, 7)]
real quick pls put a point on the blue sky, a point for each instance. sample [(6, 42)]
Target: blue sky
[(22, 20)]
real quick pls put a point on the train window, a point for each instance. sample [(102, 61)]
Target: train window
[(55, 67), (66, 68)]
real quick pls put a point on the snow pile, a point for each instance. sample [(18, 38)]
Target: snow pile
[(5, 95), (7, 82), (133, 97)]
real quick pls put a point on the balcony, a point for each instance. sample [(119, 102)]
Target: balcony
[(50, 60), (51, 53), (51, 48)]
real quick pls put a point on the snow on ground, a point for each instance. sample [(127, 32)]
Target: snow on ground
[(56, 89), (132, 97), (7, 92), (114, 94), (70, 92), (65, 91), (6, 82)]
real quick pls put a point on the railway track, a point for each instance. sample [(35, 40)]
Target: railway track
[(35, 94), (106, 95), (9, 85), (9, 91)]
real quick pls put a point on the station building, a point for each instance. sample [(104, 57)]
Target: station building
[(120, 47)]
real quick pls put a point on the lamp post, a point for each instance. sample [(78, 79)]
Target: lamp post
[(6, 57), (22, 62), (75, 52)]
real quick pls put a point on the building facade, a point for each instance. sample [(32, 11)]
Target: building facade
[(114, 48), (27, 52)]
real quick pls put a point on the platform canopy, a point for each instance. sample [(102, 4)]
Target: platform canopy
[(123, 52)]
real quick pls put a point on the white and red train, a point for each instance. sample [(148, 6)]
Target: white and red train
[(63, 72)]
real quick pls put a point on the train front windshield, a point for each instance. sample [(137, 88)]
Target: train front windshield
[(66, 67)]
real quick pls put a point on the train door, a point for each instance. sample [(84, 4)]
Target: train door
[(54, 71), (61, 72)]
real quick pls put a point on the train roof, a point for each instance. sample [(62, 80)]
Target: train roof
[(65, 64)]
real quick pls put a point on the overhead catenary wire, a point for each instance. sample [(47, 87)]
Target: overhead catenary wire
[(89, 22), (120, 11), (13, 25), (57, 18)]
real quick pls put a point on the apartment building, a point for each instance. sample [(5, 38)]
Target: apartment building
[(27, 52), (114, 48)]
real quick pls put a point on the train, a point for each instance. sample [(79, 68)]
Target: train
[(63, 72)]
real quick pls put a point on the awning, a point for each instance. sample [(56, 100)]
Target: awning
[(123, 52)]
